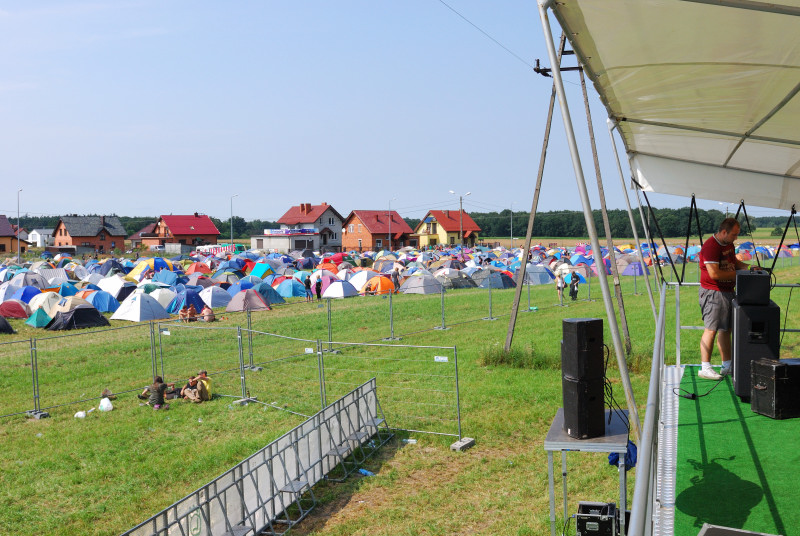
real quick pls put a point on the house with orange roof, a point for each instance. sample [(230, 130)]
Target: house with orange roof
[(304, 226), (191, 230), (367, 230), (448, 227)]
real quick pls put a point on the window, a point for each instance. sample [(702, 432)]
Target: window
[(452, 240), (359, 243), (350, 228), (102, 236), (378, 243), (387, 236), (330, 221), (433, 228), (113, 245), (359, 228), (2, 247), (334, 236)]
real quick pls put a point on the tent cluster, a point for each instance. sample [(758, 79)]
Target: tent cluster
[(63, 293)]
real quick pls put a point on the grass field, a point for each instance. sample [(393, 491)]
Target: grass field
[(106, 473)]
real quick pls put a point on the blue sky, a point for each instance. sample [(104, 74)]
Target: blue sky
[(151, 107)]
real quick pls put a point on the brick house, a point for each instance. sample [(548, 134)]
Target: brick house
[(136, 238), (366, 230), (443, 227), (323, 217), (89, 233), (192, 230), (8, 238)]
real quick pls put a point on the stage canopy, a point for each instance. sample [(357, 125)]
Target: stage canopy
[(704, 92)]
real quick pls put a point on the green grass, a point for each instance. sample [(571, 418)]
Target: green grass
[(106, 473)]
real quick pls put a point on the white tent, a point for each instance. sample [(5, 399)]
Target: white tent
[(340, 289), (114, 284), (140, 307), (704, 94), (161, 295), (7, 290), (215, 296), (360, 278), (44, 300)]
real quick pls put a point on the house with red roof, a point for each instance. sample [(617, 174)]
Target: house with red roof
[(366, 230), (307, 217), (192, 230), (449, 227), (136, 238)]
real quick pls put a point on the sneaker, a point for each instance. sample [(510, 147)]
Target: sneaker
[(709, 374), (725, 371)]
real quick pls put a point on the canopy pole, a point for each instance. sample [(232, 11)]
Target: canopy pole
[(647, 237), (526, 248), (611, 126), (612, 256), (587, 214)]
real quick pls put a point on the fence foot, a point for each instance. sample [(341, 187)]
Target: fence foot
[(37, 414), (441, 328), (245, 401), (392, 339), (463, 444), (489, 318), (254, 368), (331, 351)]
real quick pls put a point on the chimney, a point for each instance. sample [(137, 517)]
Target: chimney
[(102, 221), (196, 215), (447, 213)]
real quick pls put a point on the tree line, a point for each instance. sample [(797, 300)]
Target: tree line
[(672, 222)]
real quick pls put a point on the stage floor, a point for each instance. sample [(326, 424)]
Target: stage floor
[(723, 464)]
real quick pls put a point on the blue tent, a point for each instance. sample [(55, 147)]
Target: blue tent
[(262, 269), (568, 277), (239, 286), (166, 276), (497, 280), (25, 293), (39, 318), (185, 297), (110, 265), (291, 288), (67, 289), (269, 294), (103, 301), (635, 268), (231, 265)]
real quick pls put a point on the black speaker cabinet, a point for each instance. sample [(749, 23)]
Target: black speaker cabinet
[(583, 407), (582, 348), (776, 388), (752, 287), (756, 335)]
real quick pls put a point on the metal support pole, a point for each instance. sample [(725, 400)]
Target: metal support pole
[(34, 382), (458, 396), (391, 336), (649, 243), (250, 339), (443, 326), (241, 361), (611, 127), (321, 373), (678, 325), (160, 349), (490, 317), (587, 212)]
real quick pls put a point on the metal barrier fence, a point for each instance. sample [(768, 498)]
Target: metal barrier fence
[(272, 490), (16, 378)]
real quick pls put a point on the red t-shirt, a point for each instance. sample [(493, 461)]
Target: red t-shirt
[(724, 255)]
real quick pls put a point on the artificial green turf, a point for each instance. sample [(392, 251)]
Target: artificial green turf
[(735, 468)]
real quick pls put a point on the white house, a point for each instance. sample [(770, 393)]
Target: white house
[(41, 238)]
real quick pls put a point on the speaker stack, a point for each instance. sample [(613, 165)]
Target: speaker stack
[(756, 328), (582, 377)]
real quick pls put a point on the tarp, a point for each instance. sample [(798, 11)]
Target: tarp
[(712, 109), (140, 308)]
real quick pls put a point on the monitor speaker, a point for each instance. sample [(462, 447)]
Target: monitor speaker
[(582, 348), (756, 335), (583, 407)]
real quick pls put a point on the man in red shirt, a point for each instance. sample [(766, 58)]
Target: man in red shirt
[(718, 265)]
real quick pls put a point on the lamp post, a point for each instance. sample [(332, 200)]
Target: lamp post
[(461, 216), (19, 258), (390, 224), (726, 208), (234, 195), (511, 231)]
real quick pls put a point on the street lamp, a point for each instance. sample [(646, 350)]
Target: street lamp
[(390, 224), (511, 231), (234, 195), (726, 208), (461, 216), (19, 259)]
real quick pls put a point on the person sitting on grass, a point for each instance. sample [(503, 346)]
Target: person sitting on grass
[(203, 386), (183, 314), (207, 314), (189, 391), (191, 314), (157, 391)]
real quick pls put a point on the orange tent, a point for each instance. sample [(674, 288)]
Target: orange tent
[(84, 293), (378, 285), (328, 266), (196, 267)]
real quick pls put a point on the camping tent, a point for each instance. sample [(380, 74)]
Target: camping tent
[(140, 308), (78, 318), (247, 300), (103, 301), (186, 297), (215, 297), (39, 319), (269, 294), (44, 300), (421, 284), (340, 289), (14, 309), (291, 288), (5, 327)]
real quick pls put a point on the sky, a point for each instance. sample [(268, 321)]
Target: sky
[(143, 108)]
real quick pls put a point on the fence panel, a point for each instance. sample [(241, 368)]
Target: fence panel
[(186, 349), (16, 379), (77, 367), (417, 385), (289, 376)]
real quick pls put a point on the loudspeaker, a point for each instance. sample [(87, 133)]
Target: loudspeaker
[(776, 388), (583, 407), (756, 335), (582, 348), (752, 287)]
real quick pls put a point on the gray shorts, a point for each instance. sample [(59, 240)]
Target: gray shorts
[(716, 308)]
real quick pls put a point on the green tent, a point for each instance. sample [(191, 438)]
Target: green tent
[(38, 319)]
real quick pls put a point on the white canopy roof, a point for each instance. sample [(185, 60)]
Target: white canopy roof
[(704, 92)]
